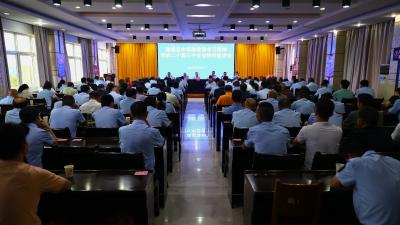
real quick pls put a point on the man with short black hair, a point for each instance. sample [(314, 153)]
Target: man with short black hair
[(66, 116), (352, 119), (125, 105), (83, 82), (267, 137), (343, 92), (303, 105), (263, 92), (272, 99), (156, 117), (246, 117), (107, 116), (236, 105), (12, 116), (312, 86), (92, 105), (225, 99), (365, 89), (216, 92), (21, 185), (82, 97), (324, 89), (286, 117), (162, 99)]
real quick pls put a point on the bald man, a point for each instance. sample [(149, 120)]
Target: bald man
[(12, 93), (12, 116), (246, 117), (272, 99)]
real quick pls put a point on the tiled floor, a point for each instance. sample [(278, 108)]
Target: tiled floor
[(197, 192)]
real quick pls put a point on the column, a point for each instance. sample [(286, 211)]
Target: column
[(301, 59)]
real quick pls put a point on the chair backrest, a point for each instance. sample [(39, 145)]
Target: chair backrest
[(293, 131), (326, 161), (304, 118), (5, 108), (274, 162), (97, 132), (296, 204), (240, 133), (390, 119), (395, 155), (62, 133), (377, 103), (38, 101), (118, 161), (57, 157), (219, 107), (226, 117)]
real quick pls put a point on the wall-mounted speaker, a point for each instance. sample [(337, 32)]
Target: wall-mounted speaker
[(116, 49), (278, 50)]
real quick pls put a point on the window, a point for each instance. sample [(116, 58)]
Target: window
[(21, 60), (74, 52), (104, 61)]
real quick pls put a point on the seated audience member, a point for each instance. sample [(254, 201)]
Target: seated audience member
[(395, 109), (236, 105), (171, 98), (396, 95), (267, 137), (225, 99), (21, 185), (83, 82), (12, 93), (218, 91), (375, 180), (236, 85), (24, 92), (176, 91), (92, 105), (272, 99), (61, 85), (210, 84), (140, 96), (66, 116), (101, 90), (312, 86), (107, 116), (114, 92), (337, 117), (125, 105), (246, 117), (156, 117), (365, 89), (396, 134), (343, 92), (324, 89), (39, 135), (82, 97), (12, 116), (70, 90), (245, 93), (286, 117), (47, 94), (296, 86), (92, 85), (263, 92), (352, 118), (167, 106), (154, 89), (303, 105), (321, 136)]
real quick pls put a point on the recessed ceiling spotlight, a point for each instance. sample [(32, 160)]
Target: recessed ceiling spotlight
[(142, 28), (346, 3), (316, 3), (239, 21), (302, 39), (251, 27), (103, 20), (40, 23), (63, 29), (113, 7), (57, 2), (295, 21), (77, 7), (322, 8), (289, 26), (233, 26), (255, 4), (128, 26), (165, 26), (132, 21), (6, 13), (148, 3), (359, 24), (87, 3), (118, 3), (315, 35), (268, 21), (109, 26), (252, 9)]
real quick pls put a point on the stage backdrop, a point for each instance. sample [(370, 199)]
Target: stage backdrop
[(140, 60)]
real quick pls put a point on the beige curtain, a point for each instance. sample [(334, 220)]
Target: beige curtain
[(366, 49), (43, 55), (289, 55), (4, 79), (316, 58)]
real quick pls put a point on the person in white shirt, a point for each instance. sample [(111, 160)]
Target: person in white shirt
[(115, 93), (263, 93), (321, 136), (12, 93), (92, 105), (324, 89), (312, 86), (365, 89)]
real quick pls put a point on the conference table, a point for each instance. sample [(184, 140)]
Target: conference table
[(98, 196), (196, 86), (336, 206)]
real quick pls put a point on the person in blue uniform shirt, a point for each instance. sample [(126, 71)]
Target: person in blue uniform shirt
[(12, 116), (236, 105), (107, 116), (267, 137), (375, 180), (286, 117), (246, 117), (162, 103), (47, 94), (39, 135), (324, 89), (82, 97), (156, 117), (365, 89), (125, 105), (67, 116), (303, 105), (12, 93), (263, 92), (140, 137), (154, 89), (272, 99), (83, 82)]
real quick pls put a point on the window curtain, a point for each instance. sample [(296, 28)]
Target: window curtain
[(289, 55), (256, 60), (94, 58), (4, 80), (316, 58), (42, 54), (85, 57), (111, 53), (137, 61), (366, 49)]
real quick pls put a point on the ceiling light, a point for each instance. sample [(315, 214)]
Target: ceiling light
[(252, 8), (40, 23), (270, 27), (150, 8), (302, 39), (134, 37), (204, 5), (322, 8), (256, 4), (285, 3), (147, 37), (233, 26), (6, 13), (248, 38), (239, 21), (118, 3), (261, 38), (77, 7), (161, 38), (109, 26), (128, 26), (359, 24), (251, 27), (235, 38), (267, 21), (147, 26), (103, 20), (295, 21), (174, 38), (289, 26), (114, 7), (346, 3), (335, 31), (393, 15), (165, 26), (315, 35), (87, 3), (221, 38), (148, 3), (200, 16), (131, 21), (142, 28), (316, 3), (57, 2)]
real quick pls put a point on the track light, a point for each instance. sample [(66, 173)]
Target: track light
[(165, 26), (235, 38), (87, 3), (134, 37), (256, 4), (262, 38), (248, 38), (109, 26), (128, 26), (233, 26), (118, 3), (174, 38), (289, 26), (346, 3), (270, 27), (251, 27), (147, 26), (285, 3), (161, 38), (57, 2), (149, 4), (147, 37), (221, 38), (316, 3)]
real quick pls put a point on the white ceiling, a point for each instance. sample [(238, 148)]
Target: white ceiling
[(87, 21)]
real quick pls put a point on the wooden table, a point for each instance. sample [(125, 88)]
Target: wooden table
[(98, 194), (336, 207)]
